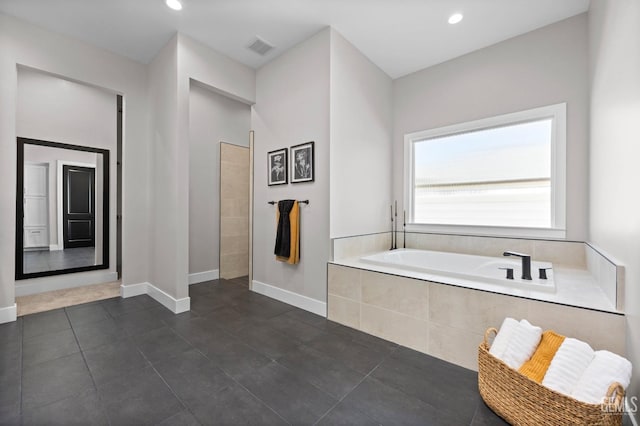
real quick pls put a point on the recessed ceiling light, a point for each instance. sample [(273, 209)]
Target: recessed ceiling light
[(453, 19), (174, 4)]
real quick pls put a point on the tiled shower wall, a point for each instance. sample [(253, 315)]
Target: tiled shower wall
[(234, 211)]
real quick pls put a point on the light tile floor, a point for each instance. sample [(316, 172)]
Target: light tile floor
[(50, 300)]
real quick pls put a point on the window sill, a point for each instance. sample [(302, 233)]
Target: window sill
[(489, 231)]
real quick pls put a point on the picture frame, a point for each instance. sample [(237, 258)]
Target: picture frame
[(277, 167), (303, 163)]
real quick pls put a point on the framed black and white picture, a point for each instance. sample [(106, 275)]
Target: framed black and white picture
[(277, 167), (302, 161)]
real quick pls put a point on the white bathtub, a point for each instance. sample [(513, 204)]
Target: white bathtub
[(480, 269)]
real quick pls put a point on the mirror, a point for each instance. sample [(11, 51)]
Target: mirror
[(62, 204)]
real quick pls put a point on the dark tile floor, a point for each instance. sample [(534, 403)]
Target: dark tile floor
[(237, 358), (45, 260)]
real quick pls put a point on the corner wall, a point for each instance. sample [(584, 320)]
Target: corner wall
[(614, 40), (292, 107), (164, 252), (171, 73), (543, 67), (361, 150)]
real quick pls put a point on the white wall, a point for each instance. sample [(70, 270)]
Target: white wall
[(165, 253), (57, 110), (292, 107), (614, 40), (212, 118), (543, 67), (27, 45), (361, 148)]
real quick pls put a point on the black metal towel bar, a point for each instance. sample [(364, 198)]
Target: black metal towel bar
[(299, 201)]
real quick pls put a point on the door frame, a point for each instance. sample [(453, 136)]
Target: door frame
[(66, 176), (47, 196), (251, 189)]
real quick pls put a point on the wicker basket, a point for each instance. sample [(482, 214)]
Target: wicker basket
[(521, 401)]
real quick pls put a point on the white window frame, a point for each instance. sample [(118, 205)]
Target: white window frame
[(558, 114)]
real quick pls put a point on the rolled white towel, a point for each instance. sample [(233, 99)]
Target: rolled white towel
[(605, 369), (522, 344), (568, 365), (499, 344)]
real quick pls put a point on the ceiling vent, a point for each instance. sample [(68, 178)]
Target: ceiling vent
[(260, 46)]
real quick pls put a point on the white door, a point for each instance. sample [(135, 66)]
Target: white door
[(36, 206)]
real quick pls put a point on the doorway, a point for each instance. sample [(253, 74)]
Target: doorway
[(234, 210), (78, 214), (65, 241)]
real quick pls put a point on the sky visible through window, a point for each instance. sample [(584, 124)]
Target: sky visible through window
[(490, 177)]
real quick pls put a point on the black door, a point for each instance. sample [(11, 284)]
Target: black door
[(78, 218)]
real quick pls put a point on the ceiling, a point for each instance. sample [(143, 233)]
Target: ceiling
[(400, 36)]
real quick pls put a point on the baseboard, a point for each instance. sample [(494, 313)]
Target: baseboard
[(200, 277), (60, 282), (54, 247), (303, 302), (176, 306), (8, 314), (133, 290)]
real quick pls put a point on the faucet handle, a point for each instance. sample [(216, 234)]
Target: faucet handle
[(542, 273), (509, 273)]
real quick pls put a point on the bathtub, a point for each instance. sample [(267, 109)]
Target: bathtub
[(466, 267)]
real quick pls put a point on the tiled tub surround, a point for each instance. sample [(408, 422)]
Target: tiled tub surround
[(447, 321), (587, 277)]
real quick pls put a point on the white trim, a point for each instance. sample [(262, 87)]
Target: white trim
[(558, 172), (9, 314), (47, 196), (132, 290), (54, 247), (176, 306), (60, 282), (200, 277), (303, 302)]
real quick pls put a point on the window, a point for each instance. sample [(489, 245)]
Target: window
[(498, 176)]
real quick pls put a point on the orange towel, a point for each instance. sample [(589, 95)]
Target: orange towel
[(294, 220), (536, 367)]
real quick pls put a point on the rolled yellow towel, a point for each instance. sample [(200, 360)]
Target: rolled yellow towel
[(536, 367)]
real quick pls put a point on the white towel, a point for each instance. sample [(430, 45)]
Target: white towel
[(499, 344), (522, 345), (605, 369), (568, 365)]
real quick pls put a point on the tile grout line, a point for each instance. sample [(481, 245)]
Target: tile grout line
[(358, 384), (86, 364), (21, 387), (80, 351), (184, 406), (224, 372)]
